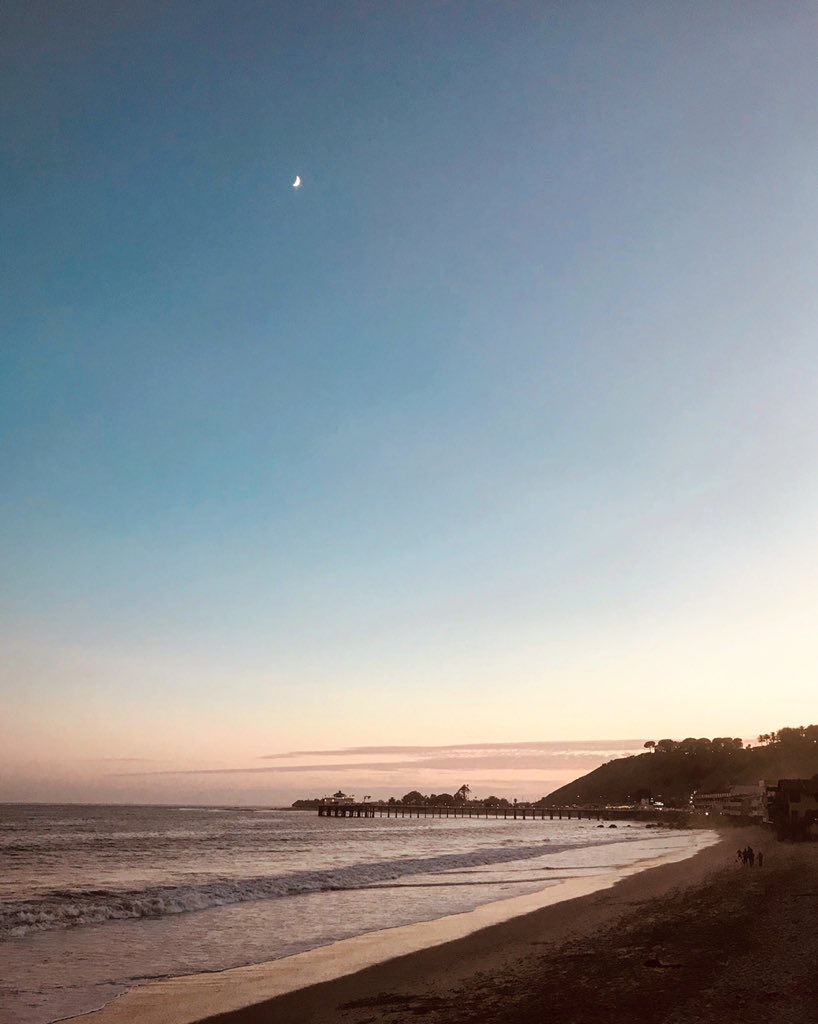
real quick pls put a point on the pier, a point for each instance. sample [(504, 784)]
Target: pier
[(469, 810)]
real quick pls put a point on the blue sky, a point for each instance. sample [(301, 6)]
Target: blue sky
[(507, 413)]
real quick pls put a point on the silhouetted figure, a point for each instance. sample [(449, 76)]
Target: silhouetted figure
[(751, 856), (760, 859), (740, 855)]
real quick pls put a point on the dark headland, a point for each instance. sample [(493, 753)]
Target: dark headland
[(672, 770)]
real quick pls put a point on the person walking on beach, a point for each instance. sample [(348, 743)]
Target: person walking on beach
[(751, 855), (760, 859)]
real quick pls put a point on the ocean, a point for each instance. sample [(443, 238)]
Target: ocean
[(97, 899)]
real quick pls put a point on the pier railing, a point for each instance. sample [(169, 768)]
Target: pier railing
[(470, 810)]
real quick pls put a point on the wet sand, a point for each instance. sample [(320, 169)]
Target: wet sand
[(697, 941)]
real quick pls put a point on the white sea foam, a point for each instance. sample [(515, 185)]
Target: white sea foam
[(66, 909)]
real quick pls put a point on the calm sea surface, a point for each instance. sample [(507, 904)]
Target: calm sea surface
[(94, 900)]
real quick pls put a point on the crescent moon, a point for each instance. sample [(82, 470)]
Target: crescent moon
[(297, 182)]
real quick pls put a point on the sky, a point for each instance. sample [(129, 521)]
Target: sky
[(494, 442)]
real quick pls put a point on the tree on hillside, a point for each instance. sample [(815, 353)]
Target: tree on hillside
[(413, 798), (678, 767), (650, 745), (798, 736)]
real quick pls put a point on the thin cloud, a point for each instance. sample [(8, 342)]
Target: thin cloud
[(283, 768), (442, 759), (120, 760), (430, 751)]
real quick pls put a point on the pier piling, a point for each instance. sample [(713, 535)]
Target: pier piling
[(471, 810)]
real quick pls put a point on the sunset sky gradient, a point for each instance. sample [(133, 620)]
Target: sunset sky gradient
[(500, 429)]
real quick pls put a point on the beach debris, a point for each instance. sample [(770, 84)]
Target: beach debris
[(654, 961), (413, 1004)]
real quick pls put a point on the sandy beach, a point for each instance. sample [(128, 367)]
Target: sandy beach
[(700, 940)]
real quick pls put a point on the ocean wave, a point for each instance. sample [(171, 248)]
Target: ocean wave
[(72, 908)]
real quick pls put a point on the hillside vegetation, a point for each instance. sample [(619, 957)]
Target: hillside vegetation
[(673, 769)]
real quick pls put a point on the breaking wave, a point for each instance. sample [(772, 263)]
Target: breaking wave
[(71, 908)]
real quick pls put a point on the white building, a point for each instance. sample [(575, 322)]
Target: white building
[(738, 801), (338, 799)]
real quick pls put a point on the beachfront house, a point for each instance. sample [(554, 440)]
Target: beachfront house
[(792, 806), (735, 801)]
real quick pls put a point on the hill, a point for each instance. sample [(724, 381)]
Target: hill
[(673, 769)]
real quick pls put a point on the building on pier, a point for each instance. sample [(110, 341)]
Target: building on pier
[(338, 799)]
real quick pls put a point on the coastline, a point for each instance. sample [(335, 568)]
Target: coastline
[(429, 955), (701, 941)]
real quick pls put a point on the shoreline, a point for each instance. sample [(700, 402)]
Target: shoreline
[(300, 986), (700, 941)]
